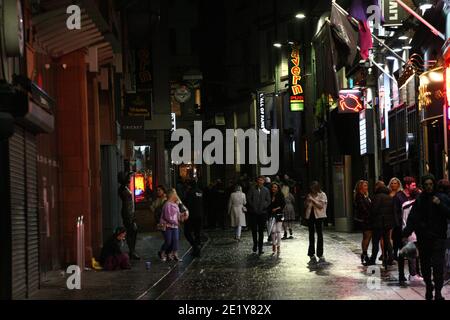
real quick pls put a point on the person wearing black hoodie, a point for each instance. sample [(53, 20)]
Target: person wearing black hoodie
[(428, 219), (193, 225), (112, 257), (382, 220)]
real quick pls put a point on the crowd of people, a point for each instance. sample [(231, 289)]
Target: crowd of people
[(407, 223)]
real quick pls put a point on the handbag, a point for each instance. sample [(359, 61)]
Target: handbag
[(161, 226)]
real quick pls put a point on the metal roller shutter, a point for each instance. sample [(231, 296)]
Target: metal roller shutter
[(32, 214), (18, 213)]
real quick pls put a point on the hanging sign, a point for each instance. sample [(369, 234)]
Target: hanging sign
[(350, 101), (297, 99)]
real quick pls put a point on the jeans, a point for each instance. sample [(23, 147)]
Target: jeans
[(192, 229), (413, 265), (315, 225), (258, 225), (432, 256), (397, 240), (377, 235), (171, 239)]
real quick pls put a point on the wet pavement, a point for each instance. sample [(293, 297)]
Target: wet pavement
[(229, 270)]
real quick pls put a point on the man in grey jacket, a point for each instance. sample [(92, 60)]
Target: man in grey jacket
[(258, 200)]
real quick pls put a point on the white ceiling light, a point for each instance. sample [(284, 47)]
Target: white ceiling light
[(402, 38), (300, 16)]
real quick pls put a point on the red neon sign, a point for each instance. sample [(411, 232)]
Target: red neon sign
[(350, 101)]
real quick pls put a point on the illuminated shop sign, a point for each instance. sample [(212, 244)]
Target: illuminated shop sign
[(297, 100), (432, 93), (366, 132), (350, 101)]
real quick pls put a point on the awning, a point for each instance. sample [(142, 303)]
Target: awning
[(55, 39)]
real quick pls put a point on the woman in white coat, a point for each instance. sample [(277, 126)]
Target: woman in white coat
[(236, 209)]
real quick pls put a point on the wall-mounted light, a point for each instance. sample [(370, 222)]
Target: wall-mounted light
[(398, 50), (407, 47), (300, 15), (403, 38), (391, 58), (277, 45)]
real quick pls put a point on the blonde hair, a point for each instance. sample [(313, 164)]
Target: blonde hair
[(358, 188), (399, 183), (173, 192), (285, 190)]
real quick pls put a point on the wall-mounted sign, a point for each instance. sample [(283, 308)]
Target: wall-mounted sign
[(173, 117), (143, 70), (297, 99), (384, 91), (393, 13), (133, 128), (262, 112), (138, 104), (432, 93), (366, 133), (182, 94), (350, 101)]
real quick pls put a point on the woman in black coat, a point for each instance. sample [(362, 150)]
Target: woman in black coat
[(362, 205), (276, 212), (382, 220)]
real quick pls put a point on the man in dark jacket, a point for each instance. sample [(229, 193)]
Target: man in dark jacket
[(382, 220), (193, 225), (258, 201), (428, 219), (128, 214)]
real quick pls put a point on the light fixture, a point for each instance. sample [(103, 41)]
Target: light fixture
[(277, 45), (402, 38), (300, 16), (398, 50), (407, 47), (391, 58)]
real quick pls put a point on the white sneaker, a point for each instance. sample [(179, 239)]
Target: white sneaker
[(415, 278)]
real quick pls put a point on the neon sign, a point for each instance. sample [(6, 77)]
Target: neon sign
[(297, 100), (350, 101)]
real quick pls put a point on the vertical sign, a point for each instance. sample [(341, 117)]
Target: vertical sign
[(297, 99), (262, 112), (366, 132), (143, 70), (393, 13), (384, 90)]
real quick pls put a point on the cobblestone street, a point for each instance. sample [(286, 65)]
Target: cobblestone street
[(229, 270)]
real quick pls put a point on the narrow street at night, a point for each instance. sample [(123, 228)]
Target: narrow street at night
[(181, 152), (228, 270)]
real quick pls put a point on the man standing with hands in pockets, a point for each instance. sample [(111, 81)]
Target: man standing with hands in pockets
[(258, 201)]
